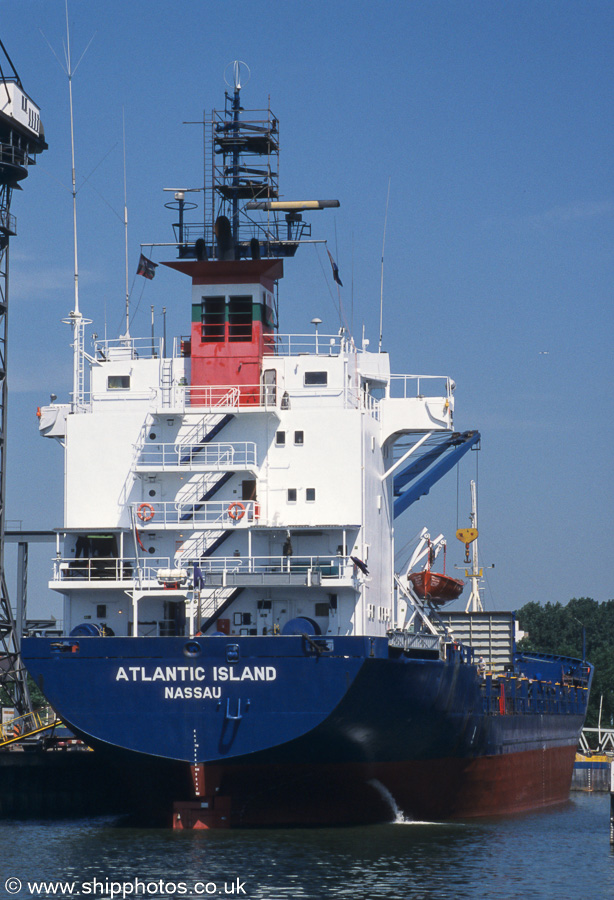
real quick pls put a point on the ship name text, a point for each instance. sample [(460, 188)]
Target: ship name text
[(187, 674)]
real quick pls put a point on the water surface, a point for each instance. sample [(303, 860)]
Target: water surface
[(559, 853)]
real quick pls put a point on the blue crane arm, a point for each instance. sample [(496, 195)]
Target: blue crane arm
[(457, 445), (416, 467)]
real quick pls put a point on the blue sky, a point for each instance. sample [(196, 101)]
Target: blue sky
[(493, 122)]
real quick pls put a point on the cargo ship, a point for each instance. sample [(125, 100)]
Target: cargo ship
[(237, 639)]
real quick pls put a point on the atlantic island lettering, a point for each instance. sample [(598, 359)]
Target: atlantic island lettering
[(189, 676)]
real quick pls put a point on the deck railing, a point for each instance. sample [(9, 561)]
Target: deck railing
[(154, 571), (129, 348), (216, 455), (300, 344), (420, 386), (222, 513)]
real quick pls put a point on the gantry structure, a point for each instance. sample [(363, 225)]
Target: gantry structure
[(22, 138)]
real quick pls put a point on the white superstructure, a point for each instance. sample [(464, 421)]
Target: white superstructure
[(240, 479), (285, 512)]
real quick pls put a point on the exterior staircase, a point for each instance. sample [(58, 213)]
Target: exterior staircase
[(199, 545), (22, 727)]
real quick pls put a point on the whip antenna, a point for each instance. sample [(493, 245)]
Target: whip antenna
[(75, 319), (126, 226), (381, 297)]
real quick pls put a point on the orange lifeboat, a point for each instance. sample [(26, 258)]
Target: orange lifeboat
[(436, 587)]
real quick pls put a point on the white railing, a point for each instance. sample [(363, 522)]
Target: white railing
[(223, 398), (150, 569), (370, 403), (312, 344), (129, 348), (419, 386), (327, 566), (216, 455), (222, 513), (109, 569)]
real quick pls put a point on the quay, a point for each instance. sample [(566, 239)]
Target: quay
[(54, 784), (593, 766)]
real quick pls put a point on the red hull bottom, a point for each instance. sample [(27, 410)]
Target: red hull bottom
[(357, 794)]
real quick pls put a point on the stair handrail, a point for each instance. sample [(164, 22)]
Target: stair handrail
[(21, 727)]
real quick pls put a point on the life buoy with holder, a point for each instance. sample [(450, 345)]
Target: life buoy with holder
[(236, 511), (145, 512)]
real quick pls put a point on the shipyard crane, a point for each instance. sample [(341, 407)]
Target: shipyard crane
[(21, 139)]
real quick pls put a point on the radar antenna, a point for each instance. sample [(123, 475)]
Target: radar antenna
[(244, 218), (238, 66)]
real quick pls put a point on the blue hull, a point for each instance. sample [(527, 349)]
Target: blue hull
[(286, 710)]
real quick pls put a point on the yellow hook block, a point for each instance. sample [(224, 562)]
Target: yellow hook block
[(467, 535)]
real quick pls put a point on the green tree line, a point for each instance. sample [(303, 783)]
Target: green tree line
[(557, 628)]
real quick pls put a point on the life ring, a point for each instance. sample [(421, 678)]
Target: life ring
[(236, 511), (145, 512)]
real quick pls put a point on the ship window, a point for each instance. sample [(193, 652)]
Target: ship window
[(310, 495), (101, 611), (316, 378), (118, 382), (299, 438), (291, 495), (280, 438), (240, 319), (213, 317), (322, 610)]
